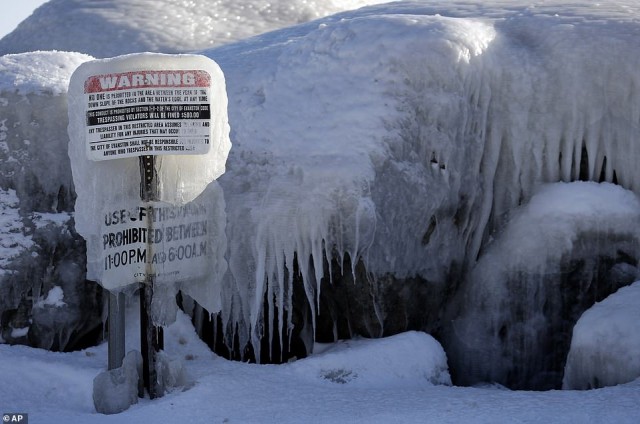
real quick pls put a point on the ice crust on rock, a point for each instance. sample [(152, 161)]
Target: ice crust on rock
[(33, 137), (458, 118), (13, 239), (518, 297), (40, 250), (116, 390), (605, 347)]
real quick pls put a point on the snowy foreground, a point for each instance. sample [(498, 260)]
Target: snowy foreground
[(364, 381)]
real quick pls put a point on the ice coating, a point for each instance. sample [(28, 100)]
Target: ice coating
[(182, 177), (14, 240)]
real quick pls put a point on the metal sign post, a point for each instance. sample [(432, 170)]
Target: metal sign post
[(151, 336), (116, 330)]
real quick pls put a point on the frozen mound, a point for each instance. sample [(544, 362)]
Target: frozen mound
[(405, 360), (106, 28), (569, 245), (398, 137), (605, 347)]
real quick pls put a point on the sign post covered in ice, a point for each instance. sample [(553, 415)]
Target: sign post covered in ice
[(148, 136)]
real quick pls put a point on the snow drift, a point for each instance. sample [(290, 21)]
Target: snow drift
[(403, 360), (605, 347)]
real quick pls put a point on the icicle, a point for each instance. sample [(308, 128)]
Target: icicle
[(289, 299), (281, 287), (489, 166)]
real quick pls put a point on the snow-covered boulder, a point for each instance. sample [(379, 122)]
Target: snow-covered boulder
[(605, 347), (570, 246)]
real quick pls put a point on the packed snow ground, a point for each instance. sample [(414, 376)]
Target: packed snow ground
[(360, 381)]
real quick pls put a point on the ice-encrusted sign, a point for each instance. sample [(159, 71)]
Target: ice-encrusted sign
[(174, 240), (148, 112), (172, 108)]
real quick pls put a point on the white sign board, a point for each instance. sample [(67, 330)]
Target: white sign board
[(177, 244), (148, 112)]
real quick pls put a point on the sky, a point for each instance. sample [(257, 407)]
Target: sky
[(15, 12)]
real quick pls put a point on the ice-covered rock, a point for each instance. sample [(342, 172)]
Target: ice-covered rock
[(455, 120), (116, 390), (33, 123), (40, 248), (605, 347), (570, 246)]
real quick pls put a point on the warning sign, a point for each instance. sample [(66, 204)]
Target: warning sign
[(149, 104), (153, 112), (174, 240)]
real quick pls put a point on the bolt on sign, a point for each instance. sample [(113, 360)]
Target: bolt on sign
[(169, 107)]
